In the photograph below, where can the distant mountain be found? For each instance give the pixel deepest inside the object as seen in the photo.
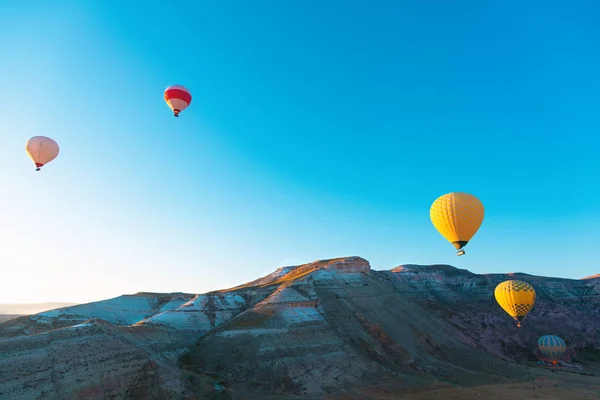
(324, 330)
(7, 317)
(31, 308)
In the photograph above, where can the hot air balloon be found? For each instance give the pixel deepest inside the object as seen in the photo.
(178, 98)
(552, 347)
(41, 150)
(516, 298)
(457, 216)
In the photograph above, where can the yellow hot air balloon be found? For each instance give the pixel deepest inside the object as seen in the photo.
(41, 150)
(516, 298)
(457, 216)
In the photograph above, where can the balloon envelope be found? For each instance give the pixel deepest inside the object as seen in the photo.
(178, 98)
(457, 216)
(41, 150)
(552, 347)
(516, 298)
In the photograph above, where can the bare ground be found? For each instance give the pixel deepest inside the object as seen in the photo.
(541, 383)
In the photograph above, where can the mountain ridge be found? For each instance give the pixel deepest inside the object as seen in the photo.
(326, 328)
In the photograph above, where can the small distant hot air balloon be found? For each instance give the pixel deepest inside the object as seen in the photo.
(457, 216)
(41, 150)
(552, 347)
(516, 298)
(178, 98)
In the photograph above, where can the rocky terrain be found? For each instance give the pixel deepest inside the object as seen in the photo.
(328, 329)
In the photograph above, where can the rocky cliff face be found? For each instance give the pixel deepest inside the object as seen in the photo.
(319, 329)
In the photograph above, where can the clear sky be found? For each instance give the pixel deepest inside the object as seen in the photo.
(316, 130)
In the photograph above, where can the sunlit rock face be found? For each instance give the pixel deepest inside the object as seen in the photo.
(326, 327)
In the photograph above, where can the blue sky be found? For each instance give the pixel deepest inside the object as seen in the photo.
(315, 131)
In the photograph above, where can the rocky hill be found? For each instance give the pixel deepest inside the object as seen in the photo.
(327, 329)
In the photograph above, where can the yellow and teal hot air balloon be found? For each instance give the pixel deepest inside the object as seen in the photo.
(552, 347)
(516, 298)
(457, 216)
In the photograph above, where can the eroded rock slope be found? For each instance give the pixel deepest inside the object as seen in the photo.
(324, 328)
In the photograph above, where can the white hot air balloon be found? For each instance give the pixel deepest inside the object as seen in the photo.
(41, 150)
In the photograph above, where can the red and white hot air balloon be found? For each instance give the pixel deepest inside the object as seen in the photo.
(41, 150)
(178, 98)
